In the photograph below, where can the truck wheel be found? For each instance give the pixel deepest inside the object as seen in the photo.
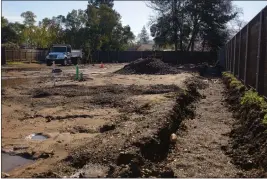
(65, 62)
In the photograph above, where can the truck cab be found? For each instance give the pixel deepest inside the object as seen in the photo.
(62, 54)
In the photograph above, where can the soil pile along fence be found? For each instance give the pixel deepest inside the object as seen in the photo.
(148, 66)
(245, 55)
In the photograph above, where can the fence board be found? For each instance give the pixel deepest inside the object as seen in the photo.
(246, 53)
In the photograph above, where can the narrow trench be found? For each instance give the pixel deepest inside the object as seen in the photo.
(154, 151)
(200, 150)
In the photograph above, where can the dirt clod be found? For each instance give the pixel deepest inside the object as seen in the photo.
(107, 127)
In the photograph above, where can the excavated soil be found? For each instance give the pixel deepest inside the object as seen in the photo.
(71, 114)
(133, 146)
(120, 126)
(199, 151)
(148, 66)
(248, 146)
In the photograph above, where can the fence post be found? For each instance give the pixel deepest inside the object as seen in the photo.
(230, 55)
(20, 55)
(98, 56)
(118, 56)
(239, 54)
(260, 60)
(234, 63)
(31, 56)
(3, 55)
(228, 60)
(246, 56)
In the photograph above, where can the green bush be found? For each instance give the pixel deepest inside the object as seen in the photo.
(264, 121)
(250, 97)
(234, 82)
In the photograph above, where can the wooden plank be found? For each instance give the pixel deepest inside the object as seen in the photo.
(239, 52)
(259, 76)
(247, 54)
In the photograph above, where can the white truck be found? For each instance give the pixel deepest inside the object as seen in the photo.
(64, 55)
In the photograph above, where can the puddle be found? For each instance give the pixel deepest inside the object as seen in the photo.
(37, 136)
(10, 162)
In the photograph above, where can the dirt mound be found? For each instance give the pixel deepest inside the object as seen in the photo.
(148, 66)
(248, 146)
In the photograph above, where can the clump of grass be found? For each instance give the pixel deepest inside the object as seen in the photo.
(264, 121)
(234, 82)
(251, 98)
(15, 63)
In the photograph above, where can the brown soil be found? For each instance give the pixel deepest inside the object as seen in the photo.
(199, 151)
(248, 147)
(148, 66)
(120, 126)
(73, 113)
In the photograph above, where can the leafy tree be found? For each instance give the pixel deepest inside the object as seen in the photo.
(143, 36)
(29, 18)
(97, 3)
(11, 32)
(185, 22)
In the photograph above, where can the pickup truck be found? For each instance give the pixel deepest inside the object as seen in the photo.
(63, 54)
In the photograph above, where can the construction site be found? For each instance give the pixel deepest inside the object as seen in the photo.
(143, 119)
(77, 102)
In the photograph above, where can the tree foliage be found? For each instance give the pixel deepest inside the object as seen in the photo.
(98, 27)
(187, 23)
(143, 37)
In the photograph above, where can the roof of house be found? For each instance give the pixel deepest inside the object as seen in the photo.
(144, 47)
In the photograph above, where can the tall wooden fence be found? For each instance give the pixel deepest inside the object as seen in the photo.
(245, 55)
(22, 55)
(166, 56)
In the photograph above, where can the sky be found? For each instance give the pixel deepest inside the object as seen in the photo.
(133, 13)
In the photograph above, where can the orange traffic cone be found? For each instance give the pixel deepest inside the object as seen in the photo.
(101, 66)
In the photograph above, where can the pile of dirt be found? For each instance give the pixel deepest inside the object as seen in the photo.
(148, 66)
(248, 146)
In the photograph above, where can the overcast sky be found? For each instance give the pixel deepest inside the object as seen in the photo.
(134, 13)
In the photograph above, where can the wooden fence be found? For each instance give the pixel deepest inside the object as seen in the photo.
(166, 56)
(245, 55)
(23, 55)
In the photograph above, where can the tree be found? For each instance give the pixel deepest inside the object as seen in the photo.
(29, 18)
(185, 22)
(97, 3)
(11, 32)
(143, 36)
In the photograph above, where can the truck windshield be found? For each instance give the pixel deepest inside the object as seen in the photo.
(59, 49)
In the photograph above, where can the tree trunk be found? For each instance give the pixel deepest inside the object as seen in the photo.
(175, 21)
(203, 45)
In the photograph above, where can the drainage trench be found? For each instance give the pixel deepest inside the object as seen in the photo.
(148, 159)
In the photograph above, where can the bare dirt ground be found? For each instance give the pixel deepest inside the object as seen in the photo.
(199, 151)
(116, 125)
(72, 113)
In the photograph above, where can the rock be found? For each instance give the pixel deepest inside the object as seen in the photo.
(5, 175)
(173, 138)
